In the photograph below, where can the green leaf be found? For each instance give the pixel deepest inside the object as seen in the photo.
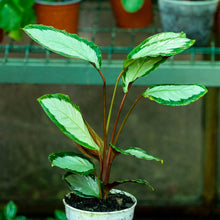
(140, 68)
(84, 186)
(16, 34)
(137, 152)
(132, 6)
(10, 16)
(175, 95)
(15, 14)
(72, 162)
(10, 210)
(26, 4)
(2, 216)
(162, 44)
(139, 181)
(63, 43)
(60, 215)
(68, 119)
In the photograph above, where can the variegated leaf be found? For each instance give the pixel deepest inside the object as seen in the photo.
(175, 95)
(140, 68)
(162, 44)
(68, 119)
(72, 162)
(84, 186)
(137, 152)
(65, 44)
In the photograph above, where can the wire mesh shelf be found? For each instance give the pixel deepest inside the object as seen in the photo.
(96, 23)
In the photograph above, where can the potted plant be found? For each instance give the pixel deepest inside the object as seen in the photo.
(193, 17)
(61, 14)
(14, 15)
(132, 14)
(90, 186)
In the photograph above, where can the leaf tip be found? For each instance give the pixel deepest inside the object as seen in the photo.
(192, 42)
(39, 99)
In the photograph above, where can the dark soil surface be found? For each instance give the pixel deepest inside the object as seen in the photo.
(114, 202)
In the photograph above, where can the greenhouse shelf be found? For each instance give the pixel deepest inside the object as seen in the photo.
(27, 62)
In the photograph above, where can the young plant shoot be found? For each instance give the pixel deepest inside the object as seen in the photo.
(82, 176)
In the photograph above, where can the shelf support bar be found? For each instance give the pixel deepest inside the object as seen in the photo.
(210, 152)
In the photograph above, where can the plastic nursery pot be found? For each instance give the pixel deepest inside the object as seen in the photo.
(139, 19)
(125, 214)
(195, 18)
(62, 15)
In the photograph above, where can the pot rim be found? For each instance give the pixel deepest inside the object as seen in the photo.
(104, 213)
(191, 3)
(42, 2)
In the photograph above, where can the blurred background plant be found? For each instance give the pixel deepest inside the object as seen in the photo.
(58, 215)
(14, 15)
(10, 212)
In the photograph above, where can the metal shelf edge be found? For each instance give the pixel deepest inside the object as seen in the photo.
(63, 71)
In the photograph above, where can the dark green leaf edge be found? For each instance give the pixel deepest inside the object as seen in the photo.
(60, 126)
(43, 27)
(78, 193)
(139, 181)
(119, 150)
(54, 156)
(182, 102)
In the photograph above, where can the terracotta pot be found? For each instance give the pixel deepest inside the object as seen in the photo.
(126, 214)
(139, 19)
(61, 15)
(1, 35)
